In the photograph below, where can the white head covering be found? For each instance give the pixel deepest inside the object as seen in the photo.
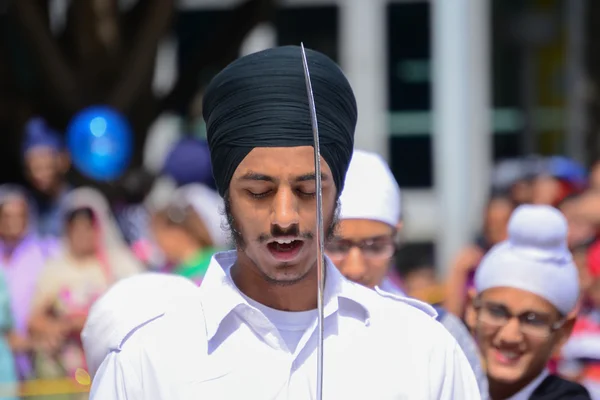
(128, 304)
(370, 190)
(209, 206)
(535, 258)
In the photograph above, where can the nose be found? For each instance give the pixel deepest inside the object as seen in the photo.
(285, 209)
(354, 266)
(511, 332)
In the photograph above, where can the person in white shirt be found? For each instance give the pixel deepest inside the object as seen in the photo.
(366, 241)
(251, 330)
(527, 288)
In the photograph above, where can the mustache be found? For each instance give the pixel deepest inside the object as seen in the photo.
(277, 232)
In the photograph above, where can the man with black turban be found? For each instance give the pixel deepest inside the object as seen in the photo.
(249, 331)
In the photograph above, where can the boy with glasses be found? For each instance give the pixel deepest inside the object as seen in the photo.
(365, 241)
(526, 290)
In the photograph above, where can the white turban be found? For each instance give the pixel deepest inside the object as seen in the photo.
(126, 305)
(207, 203)
(370, 190)
(534, 258)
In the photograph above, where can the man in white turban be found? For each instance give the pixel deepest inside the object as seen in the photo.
(363, 250)
(527, 288)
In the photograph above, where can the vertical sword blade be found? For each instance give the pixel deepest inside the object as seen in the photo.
(320, 229)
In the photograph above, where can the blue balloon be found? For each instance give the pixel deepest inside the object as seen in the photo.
(100, 142)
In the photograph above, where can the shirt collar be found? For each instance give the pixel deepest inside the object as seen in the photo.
(527, 391)
(225, 297)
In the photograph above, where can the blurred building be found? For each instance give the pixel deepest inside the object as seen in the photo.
(385, 47)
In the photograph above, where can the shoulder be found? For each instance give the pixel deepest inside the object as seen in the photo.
(377, 298)
(135, 308)
(397, 314)
(561, 389)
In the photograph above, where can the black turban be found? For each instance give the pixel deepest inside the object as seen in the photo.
(260, 100)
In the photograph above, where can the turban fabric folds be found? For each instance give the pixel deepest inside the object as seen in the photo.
(535, 258)
(260, 100)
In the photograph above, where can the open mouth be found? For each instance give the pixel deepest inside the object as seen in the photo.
(285, 249)
(507, 357)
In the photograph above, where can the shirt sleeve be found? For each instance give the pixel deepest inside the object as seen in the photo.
(469, 347)
(116, 379)
(456, 379)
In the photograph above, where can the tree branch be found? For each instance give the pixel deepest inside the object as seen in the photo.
(219, 52)
(52, 66)
(139, 67)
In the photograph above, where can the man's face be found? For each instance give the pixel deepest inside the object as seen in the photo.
(497, 217)
(362, 250)
(514, 331)
(43, 168)
(272, 211)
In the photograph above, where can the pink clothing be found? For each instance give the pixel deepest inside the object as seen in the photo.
(22, 269)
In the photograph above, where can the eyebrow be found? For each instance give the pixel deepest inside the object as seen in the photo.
(311, 177)
(253, 176)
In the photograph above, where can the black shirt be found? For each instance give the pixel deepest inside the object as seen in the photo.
(556, 388)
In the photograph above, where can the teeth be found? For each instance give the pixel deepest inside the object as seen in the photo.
(281, 241)
(510, 354)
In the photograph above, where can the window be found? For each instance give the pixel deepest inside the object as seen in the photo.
(316, 27)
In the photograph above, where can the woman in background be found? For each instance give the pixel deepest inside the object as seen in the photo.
(92, 258)
(23, 256)
(8, 372)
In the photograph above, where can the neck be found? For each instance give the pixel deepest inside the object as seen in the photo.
(297, 296)
(53, 192)
(82, 256)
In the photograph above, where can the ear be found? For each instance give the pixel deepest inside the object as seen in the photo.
(470, 312)
(565, 332)
(399, 226)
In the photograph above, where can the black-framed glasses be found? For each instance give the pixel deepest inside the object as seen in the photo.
(378, 248)
(531, 323)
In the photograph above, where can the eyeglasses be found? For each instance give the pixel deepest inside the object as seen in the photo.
(530, 323)
(372, 248)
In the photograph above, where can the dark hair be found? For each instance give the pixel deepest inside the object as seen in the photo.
(80, 212)
(136, 185)
(501, 196)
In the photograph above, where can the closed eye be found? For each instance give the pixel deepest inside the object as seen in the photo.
(259, 195)
(307, 193)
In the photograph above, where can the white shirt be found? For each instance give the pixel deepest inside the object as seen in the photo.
(290, 325)
(215, 345)
(114, 313)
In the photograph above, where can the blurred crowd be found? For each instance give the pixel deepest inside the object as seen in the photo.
(62, 247)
